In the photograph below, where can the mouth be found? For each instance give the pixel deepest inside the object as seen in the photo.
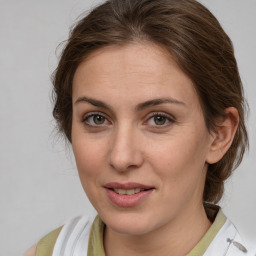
(127, 194)
(129, 188)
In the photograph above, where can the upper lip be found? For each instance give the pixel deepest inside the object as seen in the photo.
(128, 185)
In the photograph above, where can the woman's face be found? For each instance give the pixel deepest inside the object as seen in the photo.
(139, 138)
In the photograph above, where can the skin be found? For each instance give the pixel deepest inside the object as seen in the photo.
(129, 144)
(31, 251)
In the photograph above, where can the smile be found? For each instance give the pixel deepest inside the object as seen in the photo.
(128, 191)
(127, 194)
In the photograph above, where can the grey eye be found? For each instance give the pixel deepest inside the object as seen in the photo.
(160, 120)
(95, 119)
(98, 119)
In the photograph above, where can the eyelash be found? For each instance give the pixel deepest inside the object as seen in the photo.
(167, 117)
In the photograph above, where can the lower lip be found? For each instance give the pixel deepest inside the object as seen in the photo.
(127, 200)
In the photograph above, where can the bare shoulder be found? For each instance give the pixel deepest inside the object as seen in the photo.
(31, 251)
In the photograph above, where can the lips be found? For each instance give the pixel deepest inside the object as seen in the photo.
(127, 194)
(129, 185)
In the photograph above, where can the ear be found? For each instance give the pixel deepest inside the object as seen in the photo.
(223, 137)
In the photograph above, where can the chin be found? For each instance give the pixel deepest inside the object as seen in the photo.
(129, 223)
(130, 229)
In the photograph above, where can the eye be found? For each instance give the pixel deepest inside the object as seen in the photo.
(160, 119)
(95, 119)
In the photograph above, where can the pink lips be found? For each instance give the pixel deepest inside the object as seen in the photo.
(127, 200)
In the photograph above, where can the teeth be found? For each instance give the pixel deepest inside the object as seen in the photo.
(130, 192)
(121, 191)
(127, 191)
(137, 190)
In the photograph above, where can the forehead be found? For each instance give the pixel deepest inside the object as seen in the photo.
(136, 58)
(142, 69)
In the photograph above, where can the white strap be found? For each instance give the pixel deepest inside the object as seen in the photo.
(73, 238)
(227, 243)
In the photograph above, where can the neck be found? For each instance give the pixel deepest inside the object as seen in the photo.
(177, 238)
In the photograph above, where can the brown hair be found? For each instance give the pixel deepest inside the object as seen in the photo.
(194, 38)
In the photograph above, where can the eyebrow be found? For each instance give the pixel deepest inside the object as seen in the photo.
(139, 107)
(156, 102)
(94, 102)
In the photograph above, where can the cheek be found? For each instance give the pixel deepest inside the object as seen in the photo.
(88, 161)
(87, 158)
(89, 155)
(180, 160)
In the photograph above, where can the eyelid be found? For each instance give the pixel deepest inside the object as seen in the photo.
(161, 113)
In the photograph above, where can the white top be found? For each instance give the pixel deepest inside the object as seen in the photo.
(74, 236)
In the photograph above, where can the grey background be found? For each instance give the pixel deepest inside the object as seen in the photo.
(39, 185)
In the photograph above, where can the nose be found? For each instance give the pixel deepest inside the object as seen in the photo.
(125, 150)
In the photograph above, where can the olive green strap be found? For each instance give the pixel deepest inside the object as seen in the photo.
(204, 243)
(46, 245)
(95, 245)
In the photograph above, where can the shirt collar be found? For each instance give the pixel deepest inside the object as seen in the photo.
(214, 213)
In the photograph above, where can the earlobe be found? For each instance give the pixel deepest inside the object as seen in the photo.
(223, 137)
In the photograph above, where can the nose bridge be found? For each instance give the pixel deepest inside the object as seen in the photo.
(125, 151)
